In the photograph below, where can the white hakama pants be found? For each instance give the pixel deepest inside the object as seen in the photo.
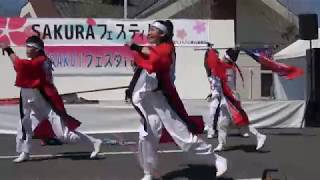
(158, 115)
(36, 109)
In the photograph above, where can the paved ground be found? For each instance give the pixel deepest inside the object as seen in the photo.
(294, 153)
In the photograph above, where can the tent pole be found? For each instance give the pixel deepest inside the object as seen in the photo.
(308, 94)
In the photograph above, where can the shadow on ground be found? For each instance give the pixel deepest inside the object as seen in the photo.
(194, 172)
(68, 155)
(246, 148)
(290, 134)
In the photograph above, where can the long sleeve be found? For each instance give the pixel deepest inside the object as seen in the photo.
(216, 66)
(148, 63)
(29, 73)
(158, 59)
(23, 65)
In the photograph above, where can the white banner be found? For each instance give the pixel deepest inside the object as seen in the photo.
(96, 32)
(90, 60)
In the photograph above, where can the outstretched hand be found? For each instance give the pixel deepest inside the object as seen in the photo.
(6, 48)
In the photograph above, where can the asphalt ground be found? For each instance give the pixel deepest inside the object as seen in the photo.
(291, 154)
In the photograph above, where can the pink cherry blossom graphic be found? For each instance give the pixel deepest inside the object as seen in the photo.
(181, 33)
(200, 27)
(91, 21)
(16, 23)
(3, 22)
(18, 38)
(10, 31)
(4, 39)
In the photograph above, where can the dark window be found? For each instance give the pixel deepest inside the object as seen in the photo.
(266, 84)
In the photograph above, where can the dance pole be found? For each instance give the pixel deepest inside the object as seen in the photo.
(209, 45)
(96, 90)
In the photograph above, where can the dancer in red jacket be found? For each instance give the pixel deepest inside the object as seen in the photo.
(157, 101)
(229, 105)
(41, 107)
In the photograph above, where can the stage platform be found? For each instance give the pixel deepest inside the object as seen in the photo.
(118, 116)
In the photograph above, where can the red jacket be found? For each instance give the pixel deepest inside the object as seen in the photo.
(159, 61)
(31, 74)
(218, 68)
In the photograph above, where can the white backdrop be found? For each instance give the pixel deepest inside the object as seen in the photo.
(191, 79)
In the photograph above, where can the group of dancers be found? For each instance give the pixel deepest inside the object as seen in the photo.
(152, 93)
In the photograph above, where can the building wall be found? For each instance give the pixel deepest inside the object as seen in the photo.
(198, 10)
(203, 9)
(258, 26)
(252, 78)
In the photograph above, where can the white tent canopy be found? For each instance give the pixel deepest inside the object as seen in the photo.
(297, 49)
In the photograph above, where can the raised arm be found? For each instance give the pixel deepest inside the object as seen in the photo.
(6, 48)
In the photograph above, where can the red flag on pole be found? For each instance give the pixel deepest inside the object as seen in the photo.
(289, 72)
